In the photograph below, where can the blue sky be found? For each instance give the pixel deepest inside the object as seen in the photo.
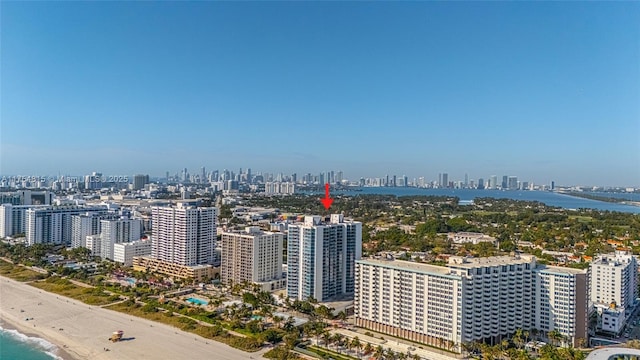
(545, 91)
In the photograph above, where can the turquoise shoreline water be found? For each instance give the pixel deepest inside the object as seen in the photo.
(15, 345)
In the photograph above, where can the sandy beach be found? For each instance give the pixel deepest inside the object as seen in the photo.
(81, 330)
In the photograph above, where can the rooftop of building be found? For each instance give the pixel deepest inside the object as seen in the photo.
(619, 258)
(408, 266)
(318, 220)
(472, 262)
(561, 269)
(248, 231)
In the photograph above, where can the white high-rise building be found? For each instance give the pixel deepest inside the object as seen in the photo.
(253, 256)
(184, 234)
(87, 224)
(279, 188)
(124, 252)
(614, 289)
(471, 299)
(13, 219)
(415, 301)
(52, 224)
(117, 231)
(321, 257)
(614, 279)
(562, 302)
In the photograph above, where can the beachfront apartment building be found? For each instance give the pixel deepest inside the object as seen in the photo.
(252, 256)
(415, 301)
(86, 224)
(115, 231)
(470, 299)
(13, 219)
(126, 251)
(562, 302)
(53, 224)
(184, 233)
(321, 257)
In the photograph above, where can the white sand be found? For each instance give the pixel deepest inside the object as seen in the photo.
(86, 329)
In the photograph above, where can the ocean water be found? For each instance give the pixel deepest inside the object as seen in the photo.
(546, 197)
(17, 346)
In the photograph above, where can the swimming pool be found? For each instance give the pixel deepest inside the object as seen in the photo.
(197, 301)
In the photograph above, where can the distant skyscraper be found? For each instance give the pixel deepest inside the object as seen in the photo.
(493, 182)
(505, 182)
(513, 183)
(139, 181)
(445, 180)
(184, 234)
(481, 184)
(321, 257)
(93, 181)
(553, 185)
(466, 180)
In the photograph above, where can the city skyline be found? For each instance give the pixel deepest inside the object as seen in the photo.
(440, 179)
(410, 89)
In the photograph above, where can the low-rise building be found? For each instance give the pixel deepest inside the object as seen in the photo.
(461, 238)
(125, 252)
(197, 273)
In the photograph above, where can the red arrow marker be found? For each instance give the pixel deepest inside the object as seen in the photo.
(326, 201)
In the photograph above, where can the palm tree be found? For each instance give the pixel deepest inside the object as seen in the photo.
(518, 338)
(327, 338)
(523, 355)
(504, 345)
(390, 354)
(355, 343)
(571, 354)
(547, 351)
(338, 339)
(277, 320)
(555, 337)
(368, 349)
(378, 354)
